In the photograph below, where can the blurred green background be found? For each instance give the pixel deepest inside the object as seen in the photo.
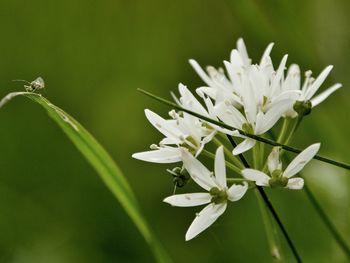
(93, 56)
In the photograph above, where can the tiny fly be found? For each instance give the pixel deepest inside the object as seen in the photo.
(33, 86)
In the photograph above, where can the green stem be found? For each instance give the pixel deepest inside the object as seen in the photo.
(323, 215)
(284, 129)
(339, 239)
(228, 164)
(272, 234)
(256, 156)
(229, 154)
(252, 136)
(269, 205)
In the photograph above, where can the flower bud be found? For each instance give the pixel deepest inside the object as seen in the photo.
(303, 108)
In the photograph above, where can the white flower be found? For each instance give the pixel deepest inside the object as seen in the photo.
(254, 122)
(309, 87)
(259, 84)
(258, 79)
(186, 131)
(188, 101)
(277, 176)
(216, 197)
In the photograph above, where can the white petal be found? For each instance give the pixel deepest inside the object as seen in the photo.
(175, 98)
(324, 95)
(243, 51)
(289, 94)
(273, 161)
(210, 107)
(230, 115)
(236, 60)
(318, 82)
(249, 100)
(236, 191)
(258, 177)
(204, 141)
(201, 73)
(295, 183)
(301, 160)
(266, 55)
(237, 134)
(209, 137)
(232, 73)
(210, 92)
(220, 167)
(279, 74)
(198, 172)
(190, 102)
(244, 146)
(293, 78)
(166, 127)
(266, 121)
(204, 219)
(186, 200)
(163, 155)
(167, 141)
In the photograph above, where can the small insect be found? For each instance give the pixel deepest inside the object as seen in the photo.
(180, 177)
(33, 86)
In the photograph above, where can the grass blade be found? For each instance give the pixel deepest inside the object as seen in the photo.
(104, 165)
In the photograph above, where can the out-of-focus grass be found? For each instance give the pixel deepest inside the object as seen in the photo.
(93, 56)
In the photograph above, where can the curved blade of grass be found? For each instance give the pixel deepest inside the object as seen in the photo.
(104, 165)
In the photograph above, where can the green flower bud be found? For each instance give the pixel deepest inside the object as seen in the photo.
(303, 108)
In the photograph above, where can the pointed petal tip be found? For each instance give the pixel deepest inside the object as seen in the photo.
(192, 61)
(166, 200)
(188, 237)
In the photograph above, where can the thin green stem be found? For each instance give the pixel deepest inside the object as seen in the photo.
(323, 215)
(270, 207)
(331, 227)
(293, 130)
(228, 164)
(271, 231)
(252, 136)
(256, 156)
(284, 129)
(229, 154)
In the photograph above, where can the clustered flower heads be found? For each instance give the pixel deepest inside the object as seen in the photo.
(252, 98)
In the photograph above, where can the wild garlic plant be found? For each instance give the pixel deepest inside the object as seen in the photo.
(254, 99)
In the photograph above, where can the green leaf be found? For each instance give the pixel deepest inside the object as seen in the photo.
(104, 165)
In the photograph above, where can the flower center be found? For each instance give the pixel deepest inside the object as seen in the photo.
(191, 144)
(248, 128)
(278, 180)
(218, 196)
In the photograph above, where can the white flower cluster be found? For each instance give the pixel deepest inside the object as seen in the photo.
(248, 97)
